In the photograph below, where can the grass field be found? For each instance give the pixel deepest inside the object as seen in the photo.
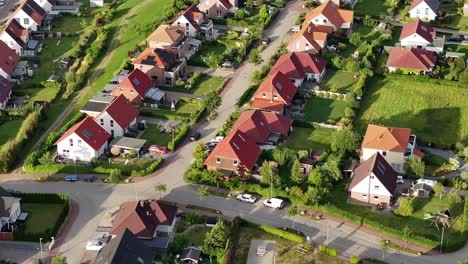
(155, 137)
(341, 80)
(8, 129)
(309, 138)
(454, 20)
(207, 51)
(436, 110)
(322, 109)
(196, 235)
(457, 48)
(41, 216)
(202, 87)
(374, 8)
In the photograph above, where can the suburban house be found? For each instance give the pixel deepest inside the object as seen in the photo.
(374, 181)
(300, 67)
(97, 104)
(265, 128)
(191, 255)
(418, 34)
(162, 65)
(10, 209)
(6, 87)
(118, 117)
(216, 8)
(47, 5)
(145, 219)
(170, 37)
(411, 60)
(83, 141)
(311, 38)
(329, 14)
(425, 9)
(30, 15)
(236, 154)
(134, 86)
(195, 21)
(395, 144)
(8, 60)
(276, 92)
(15, 36)
(125, 248)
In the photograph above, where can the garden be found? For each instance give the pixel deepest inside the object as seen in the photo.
(187, 110)
(451, 17)
(8, 129)
(436, 110)
(155, 135)
(200, 85)
(373, 8)
(323, 110)
(303, 138)
(338, 81)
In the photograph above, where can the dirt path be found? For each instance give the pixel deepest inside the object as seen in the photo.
(110, 51)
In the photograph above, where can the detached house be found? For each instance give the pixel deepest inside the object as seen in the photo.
(329, 14)
(374, 181)
(418, 34)
(425, 9)
(83, 141)
(97, 104)
(300, 67)
(311, 38)
(8, 60)
(236, 154)
(134, 87)
(15, 36)
(170, 37)
(161, 65)
(216, 8)
(30, 15)
(118, 117)
(395, 144)
(10, 209)
(265, 128)
(276, 92)
(195, 21)
(411, 60)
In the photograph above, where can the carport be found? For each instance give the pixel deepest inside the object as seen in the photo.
(126, 144)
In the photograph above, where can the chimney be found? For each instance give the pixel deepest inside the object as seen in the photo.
(309, 29)
(142, 204)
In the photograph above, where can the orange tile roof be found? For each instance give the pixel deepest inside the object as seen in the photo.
(411, 58)
(167, 33)
(386, 138)
(275, 106)
(331, 11)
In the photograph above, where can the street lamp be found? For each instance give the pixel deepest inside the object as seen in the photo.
(40, 245)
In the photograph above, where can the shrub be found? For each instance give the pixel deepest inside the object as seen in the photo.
(184, 130)
(282, 233)
(354, 260)
(247, 95)
(328, 250)
(333, 96)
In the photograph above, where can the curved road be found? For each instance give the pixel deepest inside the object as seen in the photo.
(93, 199)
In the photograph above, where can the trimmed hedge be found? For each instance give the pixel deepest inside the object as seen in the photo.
(184, 130)
(231, 246)
(328, 250)
(245, 97)
(354, 260)
(282, 233)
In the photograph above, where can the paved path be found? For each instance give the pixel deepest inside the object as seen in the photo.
(448, 154)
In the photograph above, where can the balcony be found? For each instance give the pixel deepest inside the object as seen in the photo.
(411, 146)
(207, 25)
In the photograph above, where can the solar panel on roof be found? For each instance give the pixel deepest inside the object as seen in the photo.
(88, 134)
(136, 81)
(279, 86)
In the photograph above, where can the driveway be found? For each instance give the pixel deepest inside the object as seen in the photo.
(19, 252)
(269, 256)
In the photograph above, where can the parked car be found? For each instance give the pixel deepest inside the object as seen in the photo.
(425, 181)
(217, 139)
(400, 179)
(211, 146)
(71, 178)
(455, 38)
(141, 126)
(157, 149)
(195, 136)
(89, 178)
(229, 65)
(248, 198)
(95, 245)
(2, 2)
(274, 203)
(266, 41)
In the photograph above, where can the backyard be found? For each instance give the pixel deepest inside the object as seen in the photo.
(184, 111)
(436, 110)
(340, 81)
(196, 235)
(373, 8)
(453, 19)
(154, 136)
(457, 48)
(205, 84)
(41, 216)
(8, 129)
(309, 138)
(323, 110)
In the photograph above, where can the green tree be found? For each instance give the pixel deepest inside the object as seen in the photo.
(46, 161)
(316, 195)
(203, 192)
(438, 190)
(255, 56)
(406, 207)
(215, 240)
(239, 15)
(263, 13)
(178, 244)
(115, 175)
(406, 233)
(345, 140)
(212, 100)
(200, 154)
(160, 188)
(249, 4)
(293, 211)
(283, 155)
(331, 168)
(356, 39)
(296, 191)
(267, 173)
(414, 167)
(463, 76)
(296, 173)
(59, 260)
(453, 198)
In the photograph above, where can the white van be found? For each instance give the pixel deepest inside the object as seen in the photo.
(274, 203)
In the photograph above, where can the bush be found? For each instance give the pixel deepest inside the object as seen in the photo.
(247, 95)
(328, 250)
(184, 130)
(148, 170)
(354, 260)
(282, 233)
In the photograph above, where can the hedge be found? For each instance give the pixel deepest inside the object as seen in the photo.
(465, 217)
(161, 115)
(328, 250)
(282, 233)
(184, 130)
(354, 260)
(231, 247)
(245, 97)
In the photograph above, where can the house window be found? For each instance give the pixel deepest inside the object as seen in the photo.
(384, 153)
(235, 162)
(364, 196)
(426, 12)
(218, 160)
(397, 167)
(418, 11)
(316, 20)
(376, 187)
(324, 21)
(26, 21)
(112, 123)
(376, 198)
(168, 81)
(372, 176)
(178, 24)
(66, 152)
(71, 142)
(275, 97)
(132, 91)
(264, 95)
(79, 143)
(101, 121)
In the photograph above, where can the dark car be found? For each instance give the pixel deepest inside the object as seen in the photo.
(266, 41)
(195, 136)
(141, 126)
(89, 178)
(455, 38)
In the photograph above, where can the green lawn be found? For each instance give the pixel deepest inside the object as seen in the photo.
(454, 20)
(457, 48)
(374, 8)
(309, 138)
(208, 56)
(436, 110)
(341, 80)
(155, 137)
(202, 87)
(41, 216)
(8, 129)
(196, 236)
(322, 109)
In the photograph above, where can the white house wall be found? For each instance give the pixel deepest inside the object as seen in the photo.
(414, 40)
(115, 130)
(183, 22)
(420, 12)
(7, 39)
(322, 20)
(22, 18)
(83, 153)
(374, 187)
(45, 5)
(395, 159)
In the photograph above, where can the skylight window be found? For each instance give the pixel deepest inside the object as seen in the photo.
(279, 86)
(235, 145)
(136, 81)
(88, 134)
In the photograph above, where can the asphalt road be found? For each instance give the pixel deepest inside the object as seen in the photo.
(5, 10)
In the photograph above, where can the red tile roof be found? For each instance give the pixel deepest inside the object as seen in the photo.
(411, 58)
(162, 58)
(89, 131)
(296, 64)
(331, 11)
(386, 138)
(8, 58)
(418, 27)
(122, 111)
(16, 31)
(5, 89)
(204, 5)
(264, 104)
(138, 81)
(312, 34)
(33, 10)
(142, 218)
(237, 145)
(277, 84)
(280, 124)
(418, 153)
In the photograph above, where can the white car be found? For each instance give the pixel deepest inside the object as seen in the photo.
(95, 245)
(425, 181)
(400, 179)
(217, 139)
(274, 203)
(246, 198)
